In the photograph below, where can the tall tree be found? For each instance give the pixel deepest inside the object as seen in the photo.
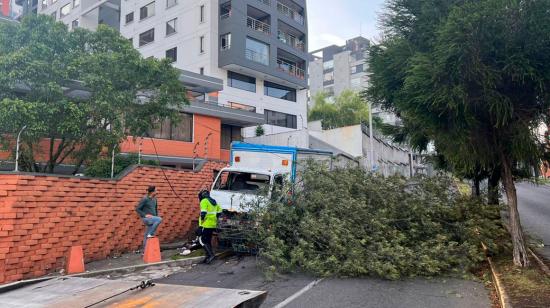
(348, 109)
(474, 76)
(78, 91)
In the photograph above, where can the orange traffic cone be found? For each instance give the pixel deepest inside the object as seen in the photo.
(75, 262)
(152, 251)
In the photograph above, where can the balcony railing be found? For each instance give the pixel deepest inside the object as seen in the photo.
(230, 105)
(225, 16)
(256, 56)
(266, 2)
(291, 40)
(257, 25)
(290, 68)
(285, 10)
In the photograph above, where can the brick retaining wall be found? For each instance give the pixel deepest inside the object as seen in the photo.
(42, 216)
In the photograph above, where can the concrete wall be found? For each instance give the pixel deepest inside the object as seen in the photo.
(44, 215)
(297, 138)
(347, 139)
(341, 72)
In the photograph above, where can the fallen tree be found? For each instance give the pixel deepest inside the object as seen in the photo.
(350, 223)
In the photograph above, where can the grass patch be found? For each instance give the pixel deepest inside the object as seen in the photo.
(196, 253)
(528, 287)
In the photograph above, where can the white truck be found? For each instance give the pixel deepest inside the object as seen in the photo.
(258, 168)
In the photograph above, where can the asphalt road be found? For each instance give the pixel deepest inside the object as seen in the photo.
(534, 211)
(353, 293)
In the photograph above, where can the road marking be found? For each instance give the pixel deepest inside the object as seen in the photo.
(298, 294)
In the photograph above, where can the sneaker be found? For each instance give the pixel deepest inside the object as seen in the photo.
(150, 236)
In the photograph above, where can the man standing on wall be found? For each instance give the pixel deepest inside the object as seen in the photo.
(208, 222)
(147, 210)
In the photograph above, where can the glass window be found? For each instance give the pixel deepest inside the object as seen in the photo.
(172, 54)
(202, 44)
(280, 119)
(44, 3)
(278, 91)
(147, 11)
(147, 37)
(242, 82)
(202, 13)
(76, 3)
(328, 65)
(251, 183)
(65, 10)
(171, 26)
(171, 3)
(180, 131)
(329, 76)
(229, 134)
(129, 17)
(75, 23)
(225, 41)
(257, 51)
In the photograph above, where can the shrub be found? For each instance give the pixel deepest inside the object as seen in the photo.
(102, 167)
(350, 223)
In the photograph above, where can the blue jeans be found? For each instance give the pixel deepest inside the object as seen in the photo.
(152, 224)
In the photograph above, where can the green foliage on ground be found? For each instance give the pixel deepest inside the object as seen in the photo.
(349, 223)
(101, 168)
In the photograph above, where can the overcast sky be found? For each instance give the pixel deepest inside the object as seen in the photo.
(335, 21)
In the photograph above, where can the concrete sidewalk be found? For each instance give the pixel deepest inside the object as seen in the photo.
(243, 273)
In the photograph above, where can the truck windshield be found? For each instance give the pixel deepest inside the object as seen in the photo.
(242, 182)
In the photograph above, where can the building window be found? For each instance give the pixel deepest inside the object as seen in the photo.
(225, 41)
(328, 65)
(75, 23)
(44, 3)
(171, 3)
(257, 51)
(129, 17)
(357, 69)
(202, 13)
(147, 37)
(147, 11)
(171, 26)
(280, 119)
(65, 10)
(202, 44)
(329, 77)
(180, 131)
(172, 54)
(229, 134)
(236, 80)
(54, 1)
(278, 91)
(201, 70)
(76, 3)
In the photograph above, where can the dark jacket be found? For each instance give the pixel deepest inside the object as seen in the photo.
(147, 206)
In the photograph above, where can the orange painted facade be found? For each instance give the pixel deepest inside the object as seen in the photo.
(206, 142)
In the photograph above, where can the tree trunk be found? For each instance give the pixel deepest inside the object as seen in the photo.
(494, 179)
(521, 258)
(476, 191)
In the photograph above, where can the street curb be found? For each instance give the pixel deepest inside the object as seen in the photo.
(125, 269)
(543, 266)
(502, 295)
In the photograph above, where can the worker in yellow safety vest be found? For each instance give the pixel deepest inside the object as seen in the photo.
(208, 222)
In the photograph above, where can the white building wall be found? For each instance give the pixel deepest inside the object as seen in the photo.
(347, 139)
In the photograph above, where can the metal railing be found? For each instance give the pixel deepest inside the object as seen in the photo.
(256, 56)
(285, 10)
(291, 40)
(226, 15)
(230, 105)
(257, 25)
(290, 68)
(266, 2)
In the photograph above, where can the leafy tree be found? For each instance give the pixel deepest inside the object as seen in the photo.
(119, 92)
(348, 109)
(473, 77)
(102, 167)
(259, 131)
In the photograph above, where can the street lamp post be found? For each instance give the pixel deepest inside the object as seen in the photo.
(371, 138)
(17, 148)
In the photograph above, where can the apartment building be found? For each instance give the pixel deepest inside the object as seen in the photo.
(82, 13)
(258, 48)
(334, 69)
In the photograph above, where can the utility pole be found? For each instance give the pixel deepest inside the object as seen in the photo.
(371, 139)
(17, 148)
